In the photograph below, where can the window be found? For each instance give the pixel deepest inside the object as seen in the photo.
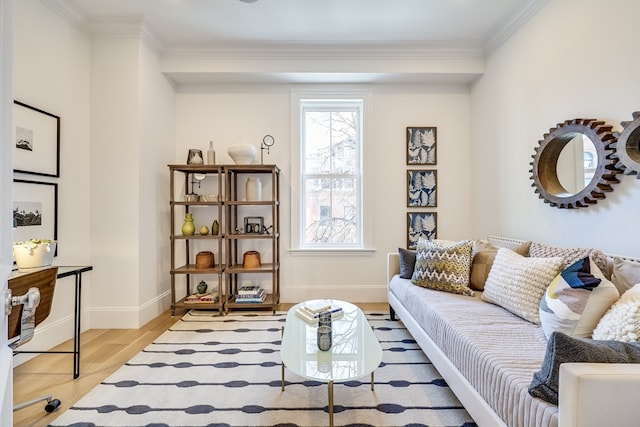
(330, 210)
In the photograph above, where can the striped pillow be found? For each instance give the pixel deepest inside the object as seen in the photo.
(443, 266)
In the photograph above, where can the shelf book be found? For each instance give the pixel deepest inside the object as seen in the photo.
(249, 290)
(257, 297)
(207, 297)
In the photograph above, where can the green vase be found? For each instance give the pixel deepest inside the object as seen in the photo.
(188, 228)
(215, 227)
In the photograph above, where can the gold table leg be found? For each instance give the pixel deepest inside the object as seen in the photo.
(331, 403)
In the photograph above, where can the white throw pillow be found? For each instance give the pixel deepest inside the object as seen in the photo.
(576, 300)
(622, 321)
(517, 283)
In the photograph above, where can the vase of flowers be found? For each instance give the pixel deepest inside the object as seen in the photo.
(34, 253)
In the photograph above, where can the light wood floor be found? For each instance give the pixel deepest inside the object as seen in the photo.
(103, 351)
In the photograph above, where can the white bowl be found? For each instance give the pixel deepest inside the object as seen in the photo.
(242, 154)
(31, 256)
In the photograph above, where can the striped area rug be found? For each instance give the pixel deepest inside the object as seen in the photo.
(209, 370)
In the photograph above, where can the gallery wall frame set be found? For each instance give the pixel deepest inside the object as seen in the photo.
(422, 145)
(421, 225)
(422, 188)
(37, 141)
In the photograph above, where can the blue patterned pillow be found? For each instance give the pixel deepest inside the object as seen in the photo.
(443, 266)
(576, 299)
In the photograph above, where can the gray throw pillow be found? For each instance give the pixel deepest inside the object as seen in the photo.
(562, 348)
(407, 262)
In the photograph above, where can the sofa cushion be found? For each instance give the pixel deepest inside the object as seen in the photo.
(625, 274)
(517, 283)
(482, 259)
(576, 299)
(622, 321)
(570, 255)
(443, 266)
(562, 348)
(407, 262)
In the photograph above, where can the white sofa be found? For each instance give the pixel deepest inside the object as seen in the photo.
(490, 372)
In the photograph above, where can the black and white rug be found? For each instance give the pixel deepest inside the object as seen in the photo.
(209, 370)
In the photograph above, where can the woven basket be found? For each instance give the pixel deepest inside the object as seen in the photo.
(205, 259)
(251, 259)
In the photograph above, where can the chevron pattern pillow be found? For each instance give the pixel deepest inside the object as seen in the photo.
(443, 266)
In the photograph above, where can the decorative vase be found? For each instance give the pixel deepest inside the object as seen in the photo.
(242, 154)
(324, 338)
(254, 189)
(204, 230)
(205, 259)
(251, 259)
(194, 157)
(202, 287)
(188, 228)
(211, 155)
(215, 227)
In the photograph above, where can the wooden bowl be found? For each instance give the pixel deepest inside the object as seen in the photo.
(205, 259)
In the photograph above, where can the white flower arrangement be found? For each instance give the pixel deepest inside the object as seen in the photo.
(32, 244)
(34, 253)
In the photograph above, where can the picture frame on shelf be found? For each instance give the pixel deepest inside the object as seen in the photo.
(37, 141)
(422, 188)
(421, 225)
(422, 144)
(253, 224)
(35, 210)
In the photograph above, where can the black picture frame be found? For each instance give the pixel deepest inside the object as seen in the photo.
(421, 225)
(253, 224)
(37, 141)
(422, 144)
(33, 199)
(422, 188)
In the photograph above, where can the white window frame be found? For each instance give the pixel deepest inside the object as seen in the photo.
(366, 218)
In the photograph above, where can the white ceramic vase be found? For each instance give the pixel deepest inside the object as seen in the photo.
(254, 189)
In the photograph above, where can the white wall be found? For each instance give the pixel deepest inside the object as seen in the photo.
(51, 72)
(227, 114)
(573, 59)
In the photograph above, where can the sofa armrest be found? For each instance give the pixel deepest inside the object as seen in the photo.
(599, 394)
(393, 265)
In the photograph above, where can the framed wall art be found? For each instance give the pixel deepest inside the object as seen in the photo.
(35, 210)
(37, 141)
(421, 225)
(422, 145)
(421, 188)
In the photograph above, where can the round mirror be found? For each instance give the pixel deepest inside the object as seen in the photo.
(628, 147)
(573, 167)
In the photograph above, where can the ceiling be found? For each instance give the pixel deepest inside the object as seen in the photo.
(379, 27)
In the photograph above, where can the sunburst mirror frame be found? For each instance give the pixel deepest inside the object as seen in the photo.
(544, 171)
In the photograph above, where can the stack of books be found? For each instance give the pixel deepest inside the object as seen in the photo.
(207, 297)
(251, 294)
(310, 311)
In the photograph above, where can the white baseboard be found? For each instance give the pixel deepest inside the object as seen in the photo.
(345, 293)
(128, 317)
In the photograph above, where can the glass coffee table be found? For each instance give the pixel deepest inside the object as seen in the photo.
(355, 351)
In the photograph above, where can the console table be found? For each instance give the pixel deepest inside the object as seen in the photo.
(76, 272)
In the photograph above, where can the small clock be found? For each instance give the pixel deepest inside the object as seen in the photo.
(268, 140)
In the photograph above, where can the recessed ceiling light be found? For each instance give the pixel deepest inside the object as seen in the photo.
(248, 1)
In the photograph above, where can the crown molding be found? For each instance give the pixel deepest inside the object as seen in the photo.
(509, 27)
(320, 51)
(71, 13)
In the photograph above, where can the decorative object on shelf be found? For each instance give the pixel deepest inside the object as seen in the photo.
(188, 228)
(37, 145)
(627, 147)
(191, 197)
(205, 259)
(421, 188)
(211, 154)
(251, 259)
(421, 225)
(267, 142)
(421, 145)
(202, 287)
(248, 295)
(195, 157)
(253, 189)
(196, 178)
(243, 154)
(567, 146)
(253, 224)
(324, 338)
(208, 197)
(215, 227)
(34, 253)
(204, 230)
